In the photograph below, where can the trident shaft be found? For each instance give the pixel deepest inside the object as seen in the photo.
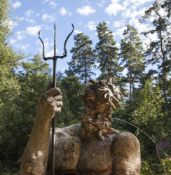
(54, 58)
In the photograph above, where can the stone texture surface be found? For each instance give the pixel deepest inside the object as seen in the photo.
(91, 147)
(118, 153)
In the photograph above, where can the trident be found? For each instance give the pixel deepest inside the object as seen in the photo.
(54, 58)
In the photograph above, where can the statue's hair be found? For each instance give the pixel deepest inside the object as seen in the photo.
(103, 90)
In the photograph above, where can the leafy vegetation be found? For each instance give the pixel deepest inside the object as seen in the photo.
(146, 107)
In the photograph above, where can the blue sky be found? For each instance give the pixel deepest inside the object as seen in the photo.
(27, 17)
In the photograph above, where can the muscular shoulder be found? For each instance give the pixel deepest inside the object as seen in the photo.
(126, 139)
(70, 131)
(126, 153)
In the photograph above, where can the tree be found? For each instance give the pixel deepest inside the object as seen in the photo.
(82, 57)
(149, 105)
(72, 108)
(158, 18)
(107, 52)
(8, 60)
(34, 78)
(149, 116)
(132, 57)
(19, 111)
(9, 88)
(167, 6)
(3, 20)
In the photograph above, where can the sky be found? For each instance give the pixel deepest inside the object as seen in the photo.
(27, 17)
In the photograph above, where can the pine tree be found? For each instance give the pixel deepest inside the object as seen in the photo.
(158, 18)
(167, 6)
(107, 52)
(82, 57)
(72, 108)
(132, 57)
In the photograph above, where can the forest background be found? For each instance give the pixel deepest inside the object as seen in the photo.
(146, 87)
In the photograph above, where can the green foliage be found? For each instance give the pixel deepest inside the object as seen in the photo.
(3, 20)
(149, 105)
(21, 85)
(9, 88)
(72, 109)
(157, 16)
(151, 168)
(166, 163)
(167, 6)
(146, 168)
(82, 57)
(34, 79)
(132, 58)
(19, 110)
(107, 52)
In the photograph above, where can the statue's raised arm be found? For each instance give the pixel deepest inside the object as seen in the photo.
(91, 147)
(35, 156)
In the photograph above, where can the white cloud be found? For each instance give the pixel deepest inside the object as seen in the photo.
(12, 41)
(29, 13)
(20, 35)
(16, 5)
(101, 3)
(133, 13)
(114, 8)
(64, 12)
(148, 39)
(29, 20)
(48, 18)
(24, 47)
(86, 10)
(139, 26)
(33, 30)
(76, 31)
(26, 19)
(48, 47)
(52, 3)
(119, 33)
(11, 24)
(49, 53)
(91, 25)
(119, 23)
(126, 7)
(137, 2)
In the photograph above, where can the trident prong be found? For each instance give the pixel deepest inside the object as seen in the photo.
(65, 43)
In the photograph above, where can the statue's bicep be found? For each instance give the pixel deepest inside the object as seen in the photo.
(126, 154)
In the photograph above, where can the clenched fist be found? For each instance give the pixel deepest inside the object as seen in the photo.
(50, 102)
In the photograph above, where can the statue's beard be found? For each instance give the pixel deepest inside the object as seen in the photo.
(97, 125)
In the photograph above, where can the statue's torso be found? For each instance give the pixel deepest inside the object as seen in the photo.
(76, 156)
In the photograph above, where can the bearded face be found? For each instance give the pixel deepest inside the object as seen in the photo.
(101, 96)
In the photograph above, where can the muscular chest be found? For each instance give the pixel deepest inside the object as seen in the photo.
(86, 157)
(95, 155)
